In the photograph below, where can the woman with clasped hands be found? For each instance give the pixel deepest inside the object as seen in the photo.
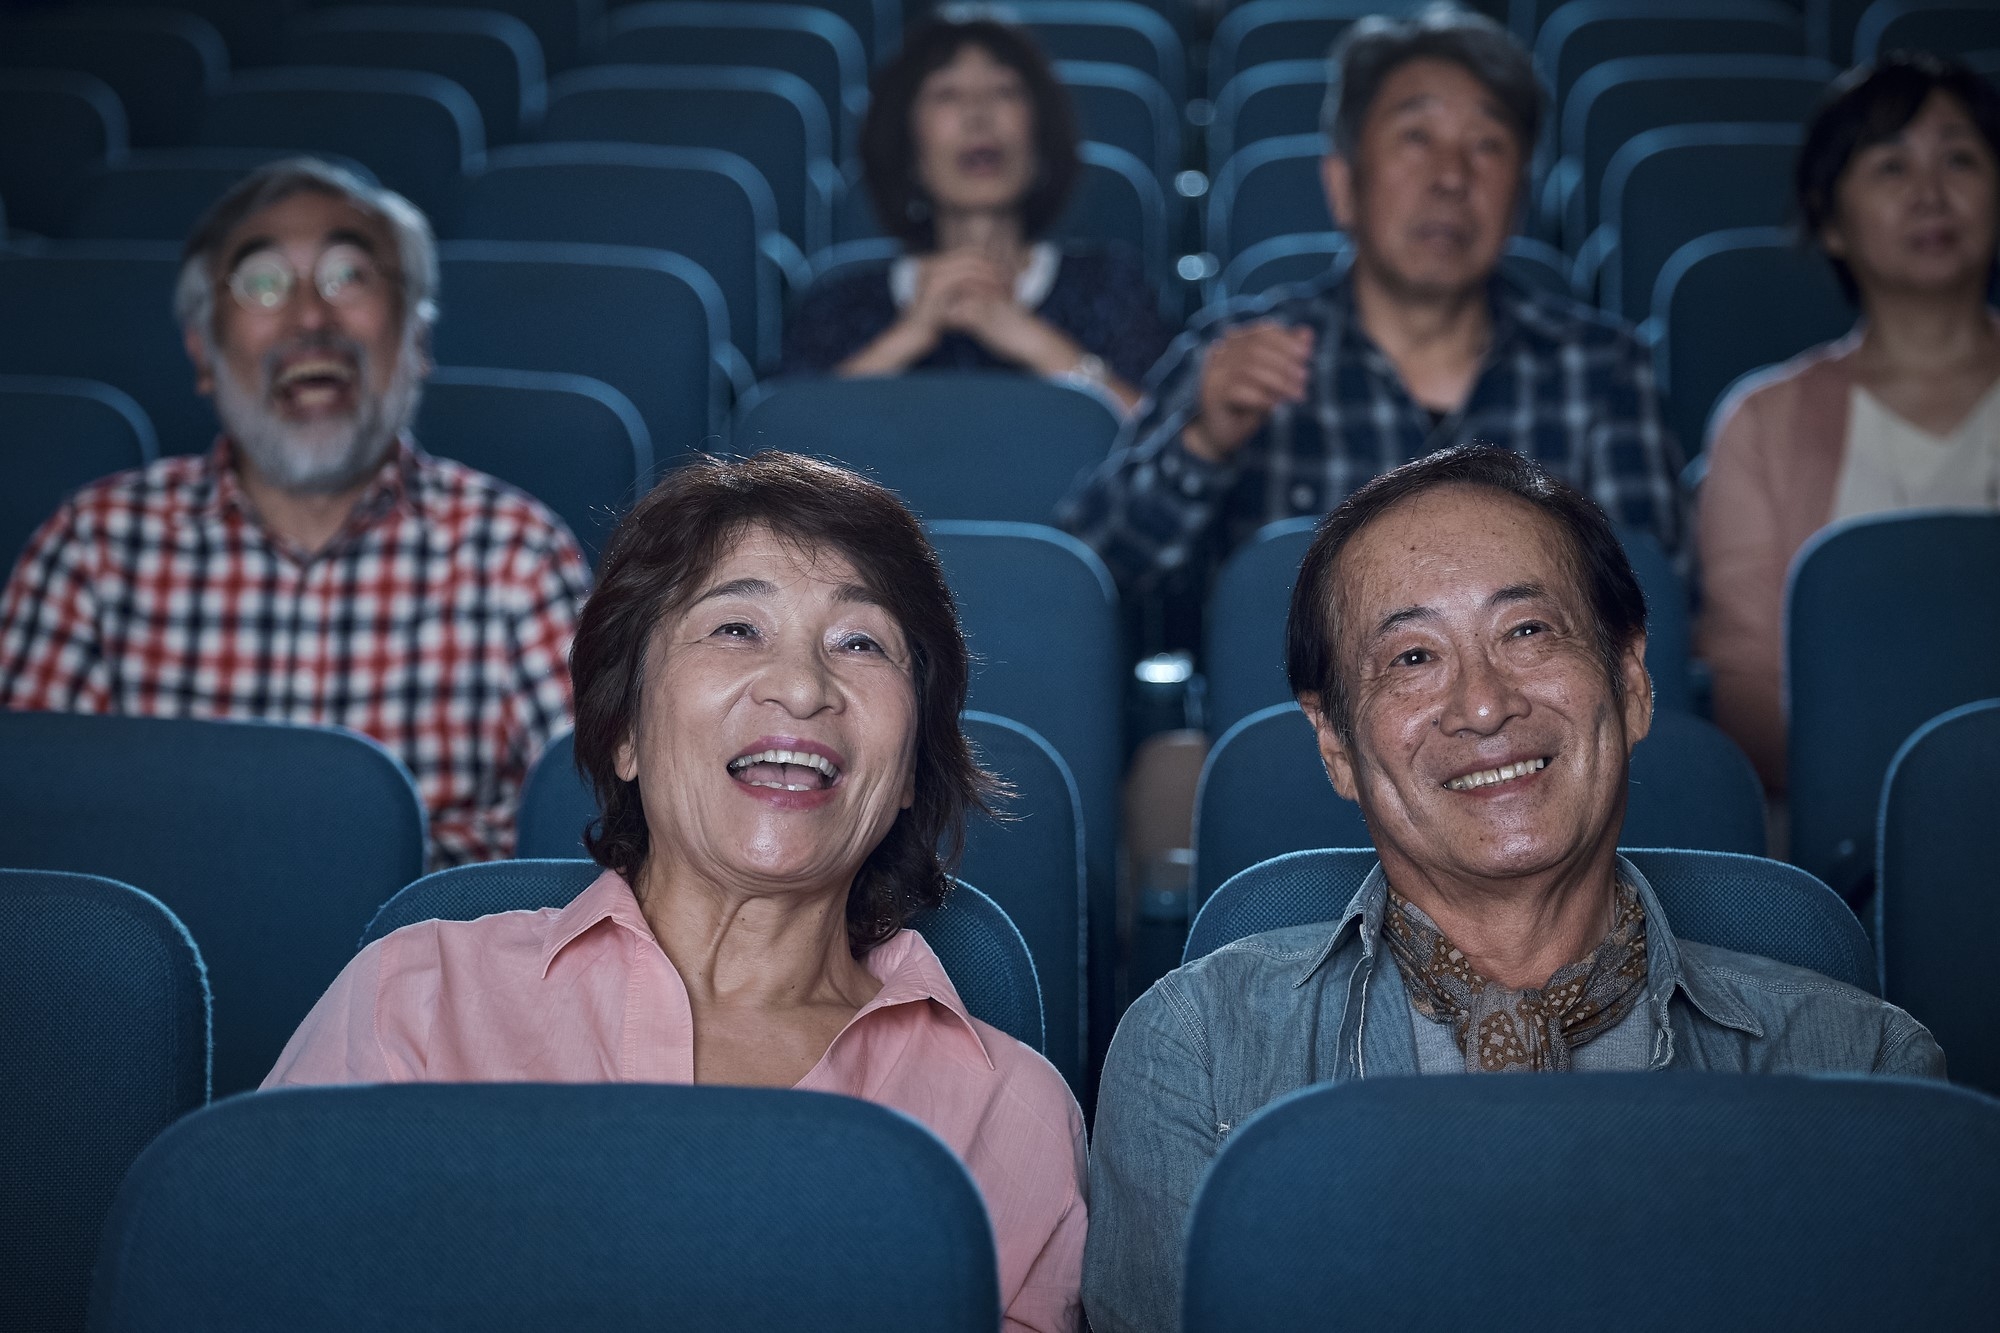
(768, 683)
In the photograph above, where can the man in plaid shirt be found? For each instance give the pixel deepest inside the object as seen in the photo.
(1284, 405)
(315, 566)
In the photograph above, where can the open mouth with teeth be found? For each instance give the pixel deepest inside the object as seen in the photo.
(785, 770)
(1492, 777)
(314, 382)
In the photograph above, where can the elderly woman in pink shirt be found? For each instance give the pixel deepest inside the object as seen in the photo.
(768, 682)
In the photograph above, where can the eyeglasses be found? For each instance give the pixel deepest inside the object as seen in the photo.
(265, 281)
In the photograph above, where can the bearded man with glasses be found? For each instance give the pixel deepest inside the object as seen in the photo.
(315, 565)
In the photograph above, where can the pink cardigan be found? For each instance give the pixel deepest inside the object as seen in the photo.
(1774, 464)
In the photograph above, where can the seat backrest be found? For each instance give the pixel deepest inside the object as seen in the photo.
(771, 119)
(1267, 101)
(495, 57)
(1264, 31)
(1935, 873)
(805, 40)
(700, 202)
(563, 28)
(55, 125)
(1269, 188)
(1744, 903)
(130, 339)
(878, 23)
(972, 444)
(1031, 863)
(1918, 589)
(1730, 302)
(159, 194)
(1620, 99)
(574, 443)
(1665, 187)
(982, 952)
(274, 842)
(1119, 31)
(1264, 792)
(103, 1044)
(418, 132)
(647, 322)
(1948, 27)
(1126, 109)
(462, 1207)
(1585, 33)
(161, 63)
(1827, 1203)
(57, 433)
(1252, 596)
(1118, 203)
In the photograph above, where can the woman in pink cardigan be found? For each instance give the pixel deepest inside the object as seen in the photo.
(1899, 185)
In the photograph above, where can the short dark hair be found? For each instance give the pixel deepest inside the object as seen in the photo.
(1872, 104)
(1373, 48)
(1596, 558)
(654, 566)
(888, 145)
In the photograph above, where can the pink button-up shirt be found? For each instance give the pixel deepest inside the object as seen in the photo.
(586, 995)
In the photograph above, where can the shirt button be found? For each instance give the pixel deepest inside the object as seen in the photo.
(1304, 497)
(1191, 486)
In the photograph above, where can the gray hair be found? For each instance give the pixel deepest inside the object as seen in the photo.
(416, 248)
(1376, 46)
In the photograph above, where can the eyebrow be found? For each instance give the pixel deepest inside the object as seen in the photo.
(1410, 615)
(1419, 101)
(754, 587)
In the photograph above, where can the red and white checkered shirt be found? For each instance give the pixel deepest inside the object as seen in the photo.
(438, 621)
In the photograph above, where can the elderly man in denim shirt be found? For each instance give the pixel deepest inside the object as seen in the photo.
(1469, 642)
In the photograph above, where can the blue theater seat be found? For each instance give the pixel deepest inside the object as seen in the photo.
(1118, 204)
(161, 193)
(1586, 33)
(161, 63)
(274, 842)
(650, 323)
(1743, 903)
(1889, 620)
(1121, 32)
(103, 1044)
(1935, 871)
(129, 339)
(565, 29)
(493, 56)
(520, 1208)
(55, 125)
(804, 40)
(574, 443)
(1948, 27)
(1265, 31)
(1267, 101)
(253, 30)
(1269, 188)
(982, 952)
(1837, 1204)
(1264, 792)
(418, 132)
(1126, 109)
(56, 434)
(708, 205)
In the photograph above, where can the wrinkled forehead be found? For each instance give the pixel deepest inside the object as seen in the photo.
(305, 223)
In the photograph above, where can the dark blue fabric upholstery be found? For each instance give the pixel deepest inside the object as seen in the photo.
(521, 1208)
(574, 443)
(162, 64)
(649, 323)
(981, 950)
(54, 126)
(1125, 108)
(56, 433)
(565, 29)
(159, 194)
(103, 1044)
(493, 56)
(1273, 99)
(1264, 31)
(1438, 1204)
(1590, 32)
(1264, 792)
(1744, 903)
(1936, 903)
(273, 842)
(1889, 621)
(1116, 31)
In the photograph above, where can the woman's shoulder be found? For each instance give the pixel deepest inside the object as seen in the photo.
(1816, 380)
(1024, 1075)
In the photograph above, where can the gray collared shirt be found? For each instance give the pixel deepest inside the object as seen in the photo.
(1216, 1040)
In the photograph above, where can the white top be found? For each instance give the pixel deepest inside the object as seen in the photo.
(1891, 464)
(1038, 277)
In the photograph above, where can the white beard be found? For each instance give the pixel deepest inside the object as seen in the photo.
(321, 457)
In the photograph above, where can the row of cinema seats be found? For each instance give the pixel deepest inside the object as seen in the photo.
(283, 1207)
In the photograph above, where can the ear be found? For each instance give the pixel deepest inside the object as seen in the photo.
(626, 761)
(1638, 690)
(1337, 178)
(1334, 756)
(197, 350)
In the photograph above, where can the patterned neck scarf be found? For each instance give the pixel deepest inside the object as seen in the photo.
(1501, 1029)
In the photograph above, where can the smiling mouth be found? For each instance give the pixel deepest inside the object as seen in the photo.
(1488, 777)
(785, 770)
(314, 381)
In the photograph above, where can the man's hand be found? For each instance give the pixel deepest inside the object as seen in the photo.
(1249, 372)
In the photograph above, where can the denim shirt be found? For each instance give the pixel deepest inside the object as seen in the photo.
(1214, 1041)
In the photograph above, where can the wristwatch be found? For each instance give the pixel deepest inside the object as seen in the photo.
(1089, 372)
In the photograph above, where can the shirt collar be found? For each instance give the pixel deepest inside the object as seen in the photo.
(904, 963)
(1516, 311)
(1666, 970)
(393, 487)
